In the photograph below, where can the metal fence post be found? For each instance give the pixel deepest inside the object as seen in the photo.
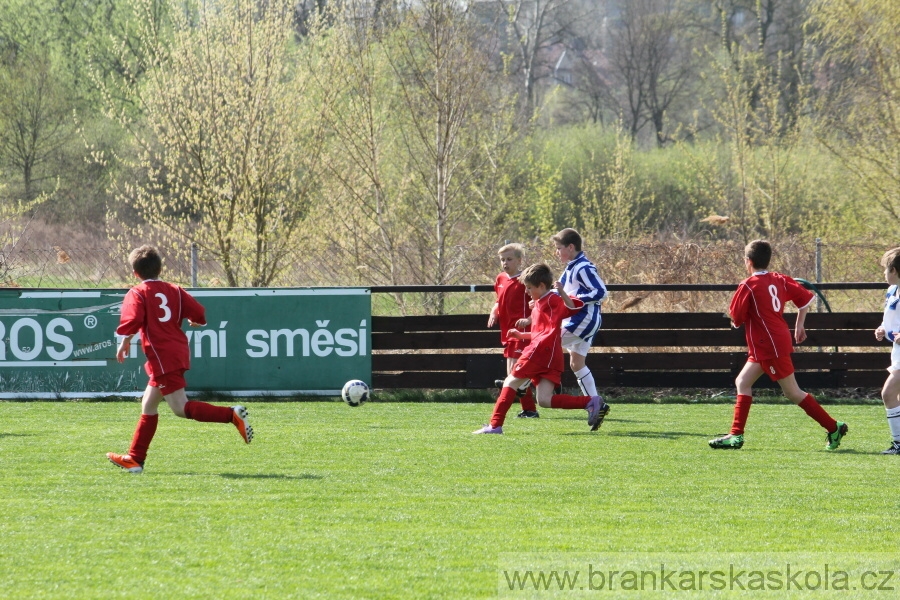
(818, 271)
(195, 264)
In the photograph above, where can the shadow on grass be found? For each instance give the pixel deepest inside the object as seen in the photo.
(269, 476)
(256, 476)
(4, 435)
(657, 435)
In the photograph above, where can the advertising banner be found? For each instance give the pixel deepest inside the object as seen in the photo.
(275, 342)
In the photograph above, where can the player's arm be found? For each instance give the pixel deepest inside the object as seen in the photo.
(524, 323)
(558, 286)
(799, 329)
(492, 318)
(595, 289)
(883, 331)
(122, 351)
(193, 310)
(519, 335)
(131, 315)
(737, 310)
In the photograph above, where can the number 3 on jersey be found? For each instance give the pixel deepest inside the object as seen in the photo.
(773, 291)
(167, 313)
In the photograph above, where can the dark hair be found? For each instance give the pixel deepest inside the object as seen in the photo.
(760, 253)
(891, 259)
(568, 236)
(146, 262)
(538, 274)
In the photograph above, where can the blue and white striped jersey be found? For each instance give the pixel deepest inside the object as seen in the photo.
(580, 280)
(891, 319)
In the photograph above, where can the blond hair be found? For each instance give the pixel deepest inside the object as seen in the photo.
(518, 250)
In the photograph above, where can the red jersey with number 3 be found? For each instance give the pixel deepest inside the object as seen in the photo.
(758, 304)
(156, 309)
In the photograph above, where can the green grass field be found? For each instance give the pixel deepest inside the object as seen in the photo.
(399, 500)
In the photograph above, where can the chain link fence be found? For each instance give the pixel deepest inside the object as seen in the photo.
(31, 263)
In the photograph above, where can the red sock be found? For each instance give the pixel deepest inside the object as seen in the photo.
(504, 403)
(818, 414)
(741, 410)
(528, 400)
(567, 401)
(143, 435)
(207, 413)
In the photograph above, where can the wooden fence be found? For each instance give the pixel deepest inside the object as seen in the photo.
(696, 350)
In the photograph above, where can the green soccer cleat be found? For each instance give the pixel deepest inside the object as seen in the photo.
(727, 442)
(834, 438)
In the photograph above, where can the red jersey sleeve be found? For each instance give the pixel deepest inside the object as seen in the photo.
(799, 295)
(132, 316)
(740, 304)
(192, 310)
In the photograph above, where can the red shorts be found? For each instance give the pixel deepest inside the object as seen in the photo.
(775, 368)
(169, 383)
(528, 370)
(513, 348)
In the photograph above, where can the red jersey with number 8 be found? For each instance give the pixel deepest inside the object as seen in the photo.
(759, 304)
(156, 309)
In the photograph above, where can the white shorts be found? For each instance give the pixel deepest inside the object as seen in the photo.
(573, 343)
(895, 358)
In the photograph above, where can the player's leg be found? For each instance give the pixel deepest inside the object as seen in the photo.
(504, 402)
(744, 384)
(596, 408)
(890, 395)
(525, 396)
(133, 462)
(203, 411)
(836, 429)
(544, 392)
(578, 351)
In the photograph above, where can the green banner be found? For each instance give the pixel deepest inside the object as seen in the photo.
(277, 342)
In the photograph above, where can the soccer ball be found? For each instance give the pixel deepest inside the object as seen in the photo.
(355, 392)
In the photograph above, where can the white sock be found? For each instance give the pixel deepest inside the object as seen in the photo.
(893, 418)
(586, 382)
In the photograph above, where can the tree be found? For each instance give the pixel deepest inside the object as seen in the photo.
(535, 25)
(758, 192)
(775, 31)
(226, 149)
(859, 110)
(651, 68)
(35, 120)
(417, 140)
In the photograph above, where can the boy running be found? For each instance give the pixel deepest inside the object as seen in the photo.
(580, 280)
(890, 330)
(542, 361)
(759, 304)
(155, 309)
(511, 307)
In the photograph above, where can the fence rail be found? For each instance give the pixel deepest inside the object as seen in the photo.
(631, 350)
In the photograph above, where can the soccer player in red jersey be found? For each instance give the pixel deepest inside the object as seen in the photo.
(542, 359)
(511, 307)
(155, 309)
(759, 304)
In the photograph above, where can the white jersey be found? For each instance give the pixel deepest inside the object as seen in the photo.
(891, 319)
(891, 324)
(580, 280)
